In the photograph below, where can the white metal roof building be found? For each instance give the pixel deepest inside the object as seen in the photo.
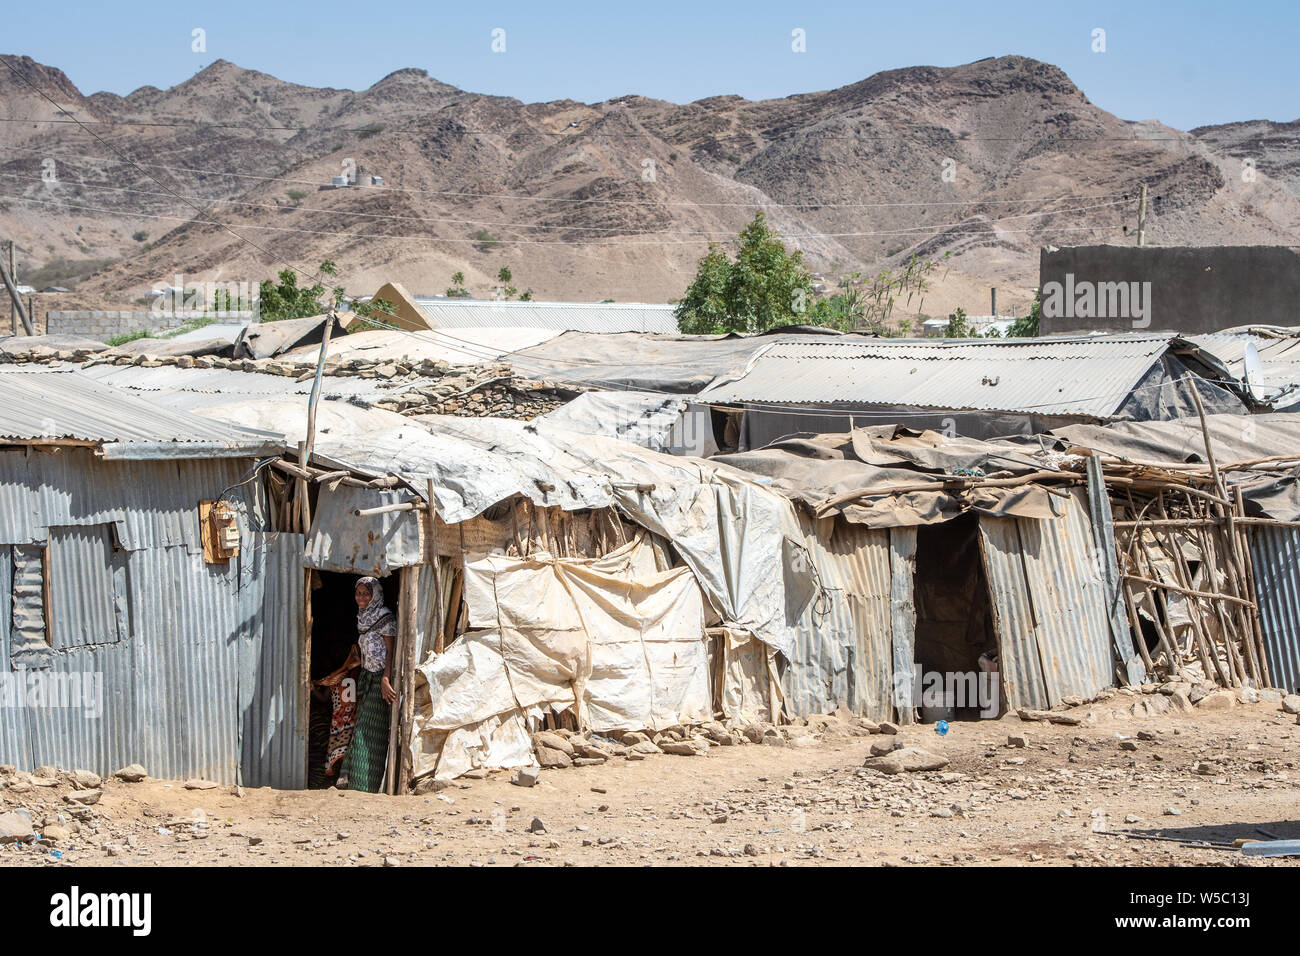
(445, 313)
(974, 387)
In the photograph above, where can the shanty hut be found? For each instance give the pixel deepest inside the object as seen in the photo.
(150, 613)
(974, 387)
(940, 561)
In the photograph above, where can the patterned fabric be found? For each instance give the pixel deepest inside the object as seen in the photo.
(374, 623)
(368, 753)
(343, 719)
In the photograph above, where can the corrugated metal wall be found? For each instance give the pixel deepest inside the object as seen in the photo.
(1276, 556)
(273, 705)
(208, 655)
(1049, 604)
(153, 503)
(843, 650)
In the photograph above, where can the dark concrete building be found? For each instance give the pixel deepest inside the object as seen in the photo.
(1186, 289)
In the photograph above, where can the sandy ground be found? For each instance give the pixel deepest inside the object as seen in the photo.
(1205, 776)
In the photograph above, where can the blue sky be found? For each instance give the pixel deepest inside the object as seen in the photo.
(1185, 63)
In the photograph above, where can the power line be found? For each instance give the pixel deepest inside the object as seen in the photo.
(601, 229)
(516, 197)
(928, 231)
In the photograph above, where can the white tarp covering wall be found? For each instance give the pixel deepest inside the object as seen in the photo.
(616, 637)
(729, 529)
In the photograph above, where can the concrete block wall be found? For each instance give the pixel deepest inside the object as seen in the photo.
(104, 325)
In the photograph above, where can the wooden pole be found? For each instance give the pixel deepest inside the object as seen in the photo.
(1253, 593)
(13, 271)
(300, 484)
(9, 283)
(314, 400)
(1142, 216)
(406, 691)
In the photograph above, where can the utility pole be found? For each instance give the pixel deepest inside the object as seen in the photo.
(1142, 216)
(11, 284)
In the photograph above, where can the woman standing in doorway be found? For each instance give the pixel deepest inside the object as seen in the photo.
(363, 767)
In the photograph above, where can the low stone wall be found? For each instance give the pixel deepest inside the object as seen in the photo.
(106, 325)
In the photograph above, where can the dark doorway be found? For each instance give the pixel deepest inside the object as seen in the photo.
(333, 635)
(954, 621)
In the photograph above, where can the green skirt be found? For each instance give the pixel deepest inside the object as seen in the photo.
(368, 751)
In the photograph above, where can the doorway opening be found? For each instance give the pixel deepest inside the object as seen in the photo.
(956, 644)
(333, 636)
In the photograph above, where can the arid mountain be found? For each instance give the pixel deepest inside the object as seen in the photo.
(618, 199)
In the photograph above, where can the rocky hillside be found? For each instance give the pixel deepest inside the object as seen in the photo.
(610, 200)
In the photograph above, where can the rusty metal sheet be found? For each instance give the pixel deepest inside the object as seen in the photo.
(1049, 605)
(1276, 556)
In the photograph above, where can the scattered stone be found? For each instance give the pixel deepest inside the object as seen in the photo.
(1291, 703)
(906, 759)
(1018, 740)
(84, 779)
(552, 741)
(392, 861)
(1146, 735)
(1127, 745)
(84, 797)
(1173, 812)
(882, 747)
(552, 759)
(1219, 700)
(16, 827)
(526, 777)
(1204, 768)
(634, 737)
(751, 850)
(198, 784)
(428, 785)
(775, 740)
(56, 832)
(588, 761)
(132, 773)
(255, 841)
(888, 727)
(45, 772)
(685, 748)
(644, 747)
(537, 826)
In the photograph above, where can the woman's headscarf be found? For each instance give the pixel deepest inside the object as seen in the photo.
(371, 617)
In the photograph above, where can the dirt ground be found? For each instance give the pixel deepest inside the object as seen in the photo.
(1213, 776)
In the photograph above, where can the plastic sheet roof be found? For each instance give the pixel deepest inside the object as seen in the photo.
(1077, 376)
(468, 346)
(52, 406)
(1279, 354)
(557, 316)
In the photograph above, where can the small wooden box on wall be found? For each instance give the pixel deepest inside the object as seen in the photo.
(218, 531)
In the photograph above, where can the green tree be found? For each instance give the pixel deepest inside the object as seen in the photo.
(288, 300)
(958, 326)
(1027, 325)
(764, 287)
(506, 290)
(457, 288)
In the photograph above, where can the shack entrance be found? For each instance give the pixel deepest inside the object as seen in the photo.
(954, 625)
(333, 635)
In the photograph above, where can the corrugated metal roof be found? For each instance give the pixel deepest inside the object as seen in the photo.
(559, 316)
(465, 346)
(49, 406)
(1084, 376)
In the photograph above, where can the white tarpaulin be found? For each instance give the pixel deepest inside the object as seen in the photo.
(615, 636)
